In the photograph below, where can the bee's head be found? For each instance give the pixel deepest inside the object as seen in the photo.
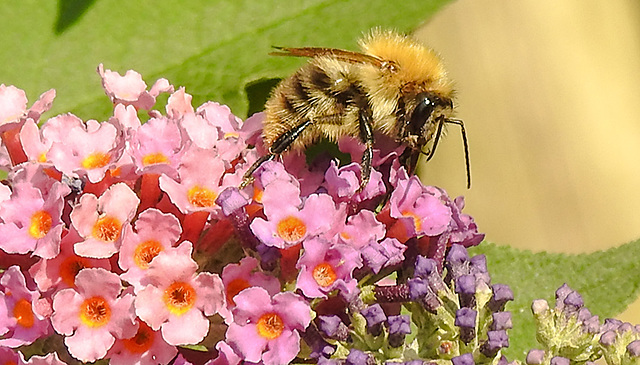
(423, 113)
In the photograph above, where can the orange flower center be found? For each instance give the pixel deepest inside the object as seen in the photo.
(141, 342)
(201, 197)
(417, 221)
(145, 252)
(70, 267)
(23, 313)
(40, 224)
(179, 297)
(154, 158)
(324, 274)
(95, 312)
(270, 326)
(96, 160)
(107, 229)
(291, 229)
(235, 287)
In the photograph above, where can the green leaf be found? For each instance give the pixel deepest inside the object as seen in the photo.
(217, 49)
(607, 280)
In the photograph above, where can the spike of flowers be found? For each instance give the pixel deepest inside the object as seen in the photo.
(128, 241)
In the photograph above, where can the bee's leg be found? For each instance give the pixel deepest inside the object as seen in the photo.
(281, 144)
(366, 136)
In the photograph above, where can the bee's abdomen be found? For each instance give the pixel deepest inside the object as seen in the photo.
(323, 91)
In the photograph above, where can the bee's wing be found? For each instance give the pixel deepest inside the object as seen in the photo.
(340, 54)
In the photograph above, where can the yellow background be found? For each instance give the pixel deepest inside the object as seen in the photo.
(550, 94)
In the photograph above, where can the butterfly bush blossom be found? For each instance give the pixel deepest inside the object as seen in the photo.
(128, 242)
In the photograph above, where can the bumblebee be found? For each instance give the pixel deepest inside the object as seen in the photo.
(395, 86)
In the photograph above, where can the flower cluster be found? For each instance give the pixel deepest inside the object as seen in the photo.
(129, 241)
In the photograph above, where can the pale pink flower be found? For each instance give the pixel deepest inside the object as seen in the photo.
(100, 220)
(130, 89)
(176, 299)
(90, 149)
(31, 220)
(20, 324)
(154, 232)
(93, 315)
(199, 184)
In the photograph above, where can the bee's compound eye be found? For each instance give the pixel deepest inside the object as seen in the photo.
(421, 113)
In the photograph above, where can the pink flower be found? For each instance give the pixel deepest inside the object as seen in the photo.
(20, 323)
(267, 329)
(146, 347)
(130, 89)
(50, 359)
(100, 220)
(60, 272)
(90, 150)
(176, 299)
(287, 223)
(199, 185)
(361, 229)
(419, 208)
(226, 355)
(157, 146)
(154, 232)
(93, 315)
(237, 277)
(13, 104)
(31, 220)
(325, 268)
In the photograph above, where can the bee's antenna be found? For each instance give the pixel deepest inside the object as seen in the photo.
(436, 139)
(466, 147)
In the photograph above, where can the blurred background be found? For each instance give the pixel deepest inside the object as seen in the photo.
(550, 94)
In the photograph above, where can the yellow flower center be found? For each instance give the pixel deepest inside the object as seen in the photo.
(201, 197)
(23, 313)
(95, 312)
(179, 297)
(417, 221)
(270, 326)
(145, 252)
(291, 229)
(40, 224)
(107, 229)
(96, 160)
(154, 158)
(324, 274)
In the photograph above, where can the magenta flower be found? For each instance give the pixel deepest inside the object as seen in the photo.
(154, 232)
(31, 220)
(93, 315)
(20, 324)
(361, 229)
(419, 208)
(100, 221)
(267, 329)
(325, 267)
(176, 299)
(146, 347)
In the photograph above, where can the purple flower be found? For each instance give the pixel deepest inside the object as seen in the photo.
(464, 359)
(375, 317)
(399, 326)
(267, 329)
